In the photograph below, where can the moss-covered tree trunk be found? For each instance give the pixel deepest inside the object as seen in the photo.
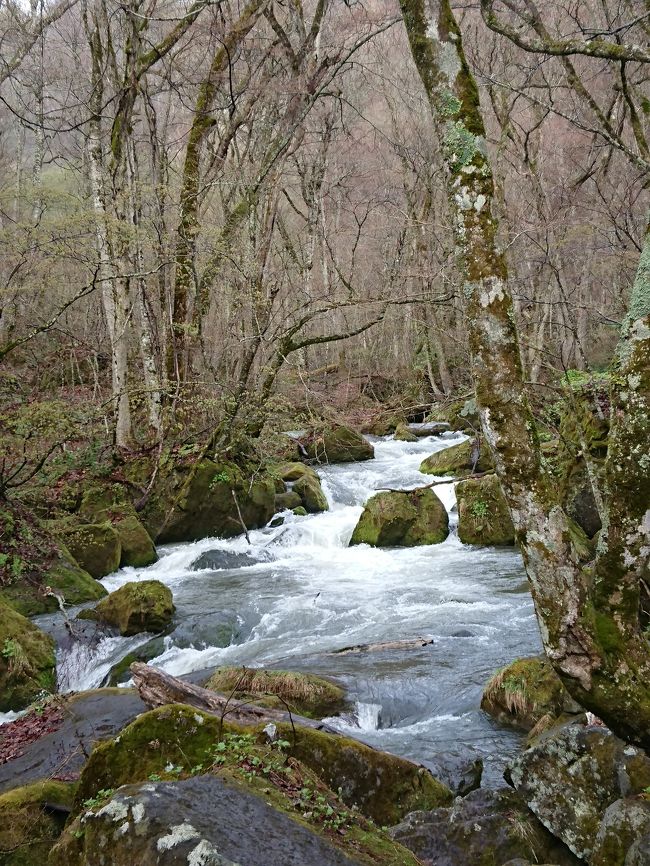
(588, 615)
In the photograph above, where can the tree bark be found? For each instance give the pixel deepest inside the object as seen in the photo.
(588, 616)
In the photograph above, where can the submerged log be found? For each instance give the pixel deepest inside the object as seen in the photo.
(409, 643)
(156, 688)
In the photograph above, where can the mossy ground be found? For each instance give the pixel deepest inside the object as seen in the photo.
(27, 662)
(28, 825)
(304, 694)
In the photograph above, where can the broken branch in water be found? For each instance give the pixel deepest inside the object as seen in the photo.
(435, 483)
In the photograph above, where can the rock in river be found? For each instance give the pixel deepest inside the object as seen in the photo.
(144, 605)
(402, 519)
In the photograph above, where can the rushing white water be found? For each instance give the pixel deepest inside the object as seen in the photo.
(307, 594)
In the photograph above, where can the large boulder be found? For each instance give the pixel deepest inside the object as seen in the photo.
(234, 817)
(195, 498)
(483, 515)
(486, 828)
(383, 787)
(311, 494)
(27, 662)
(110, 504)
(625, 826)
(338, 445)
(456, 460)
(288, 500)
(402, 519)
(403, 434)
(95, 546)
(525, 692)
(31, 820)
(571, 776)
(142, 606)
(304, 694)
(35, 566)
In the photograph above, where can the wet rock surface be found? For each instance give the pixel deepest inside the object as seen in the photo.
(87, 718)
(460, 771)
(222, 559)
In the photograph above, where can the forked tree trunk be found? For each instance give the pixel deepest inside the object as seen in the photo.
(588, 615)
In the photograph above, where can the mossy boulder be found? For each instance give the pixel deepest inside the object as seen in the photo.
(396, 519)
(288, 500)
(304, 694)
(27, 661)
(31, 820)
(456, 460)
(525, 692)
(403, 434)
(461, 415)
(385, 424)
(311, 494)
(625, 826)
(109, 503)
(95, 546)
(338, 445)
(193, 500)
(483, 515)
(33, 562)
(383, 787)
(145, 605)
(226, 818)
(295, 471)
(486, 828)
(571, 776)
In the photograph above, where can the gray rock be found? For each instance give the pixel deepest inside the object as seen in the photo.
(219, 560)
(488, 827)
(461, 772)
(89, 717)
(624, 823)
(202, 821)
(570, 777)
(639, 853)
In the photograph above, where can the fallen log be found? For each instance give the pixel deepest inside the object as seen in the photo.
(409, 643)
(156, 688)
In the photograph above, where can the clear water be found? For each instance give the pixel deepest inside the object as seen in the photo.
(308, 594)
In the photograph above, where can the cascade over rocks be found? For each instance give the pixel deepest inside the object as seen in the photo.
(402, 519)
(144, 605)
(483, 515)
(570, 777)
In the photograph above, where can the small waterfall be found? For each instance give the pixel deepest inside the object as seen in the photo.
(368, 716)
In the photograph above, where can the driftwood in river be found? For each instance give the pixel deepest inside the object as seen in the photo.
(409, 643)
(156, 688)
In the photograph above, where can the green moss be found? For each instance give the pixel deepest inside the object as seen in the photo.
(95, 546)
(483, 515)
(456, 460)
(311, 494)
(305, 694)
(524, 692)
(27, 662)
(145, 605)
(382, 786)
(28, 829)
(402, 519)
